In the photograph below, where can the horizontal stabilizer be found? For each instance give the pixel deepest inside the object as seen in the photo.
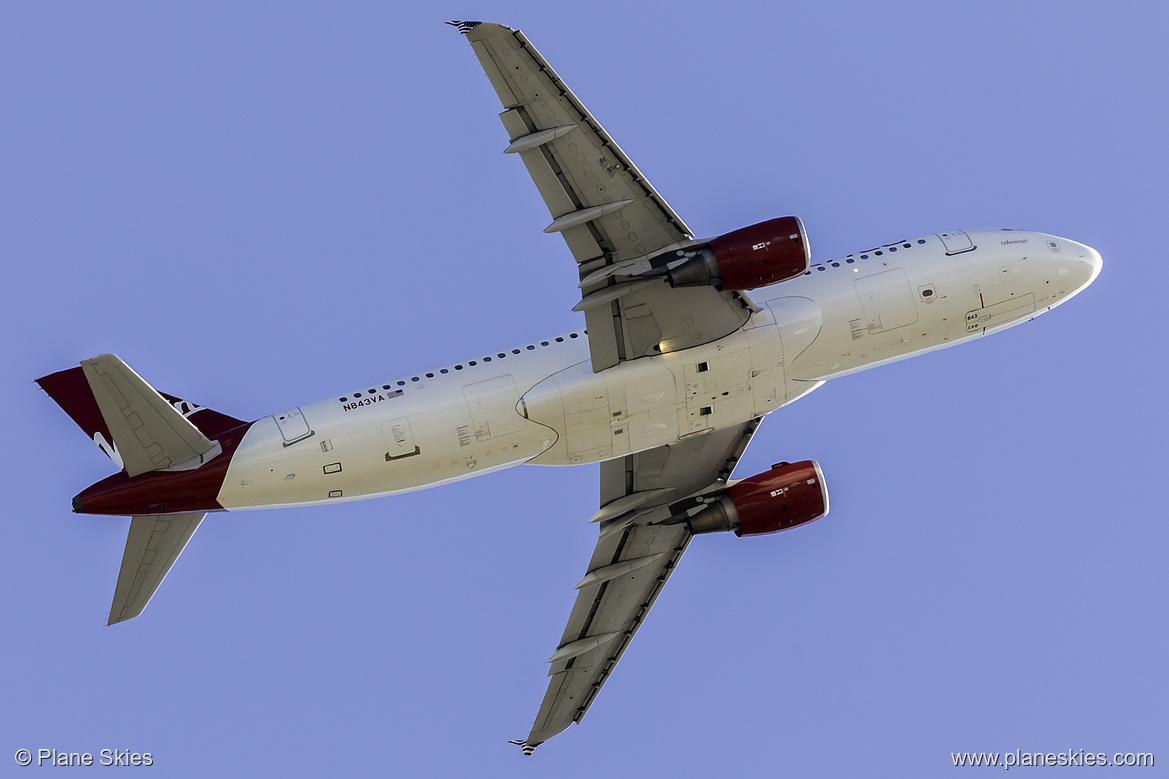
(152, 546)
(149, 433)
(70, 390)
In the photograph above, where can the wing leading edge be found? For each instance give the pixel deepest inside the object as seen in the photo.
(601, 204)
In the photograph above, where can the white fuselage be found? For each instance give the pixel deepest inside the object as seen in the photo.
(542, 403)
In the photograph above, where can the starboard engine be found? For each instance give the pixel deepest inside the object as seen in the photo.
(788, 495)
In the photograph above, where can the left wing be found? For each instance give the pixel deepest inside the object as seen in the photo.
(630, 565)
(603, 207)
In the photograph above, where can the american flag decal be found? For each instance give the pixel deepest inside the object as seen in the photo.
(465, 27)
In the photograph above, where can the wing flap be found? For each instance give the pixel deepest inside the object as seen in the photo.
(152, 546)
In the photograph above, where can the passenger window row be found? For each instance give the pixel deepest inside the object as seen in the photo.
(850, 259)
(458, 367)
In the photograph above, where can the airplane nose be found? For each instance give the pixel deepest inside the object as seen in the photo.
(1093, 262)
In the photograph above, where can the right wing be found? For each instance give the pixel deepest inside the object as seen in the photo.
(630, 565)
(152, 546)
(603, 207)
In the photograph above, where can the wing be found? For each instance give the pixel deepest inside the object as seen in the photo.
(152, 546)
(630, 565)
(603, 207)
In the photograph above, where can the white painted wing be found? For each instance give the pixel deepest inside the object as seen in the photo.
(152, 546)
(605, 209)
(629, 567)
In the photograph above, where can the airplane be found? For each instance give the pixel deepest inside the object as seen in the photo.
(664, 386)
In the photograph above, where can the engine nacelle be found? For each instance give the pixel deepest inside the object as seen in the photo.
(755, 256)
(788, 495)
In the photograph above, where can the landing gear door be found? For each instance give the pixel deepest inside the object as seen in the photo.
(293, 426)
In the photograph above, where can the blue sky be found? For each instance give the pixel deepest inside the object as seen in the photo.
(258, 207)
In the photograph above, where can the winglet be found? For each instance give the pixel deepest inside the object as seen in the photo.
(465, 27)
(524, 745)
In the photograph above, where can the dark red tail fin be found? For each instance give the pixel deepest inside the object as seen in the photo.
(70, 389)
